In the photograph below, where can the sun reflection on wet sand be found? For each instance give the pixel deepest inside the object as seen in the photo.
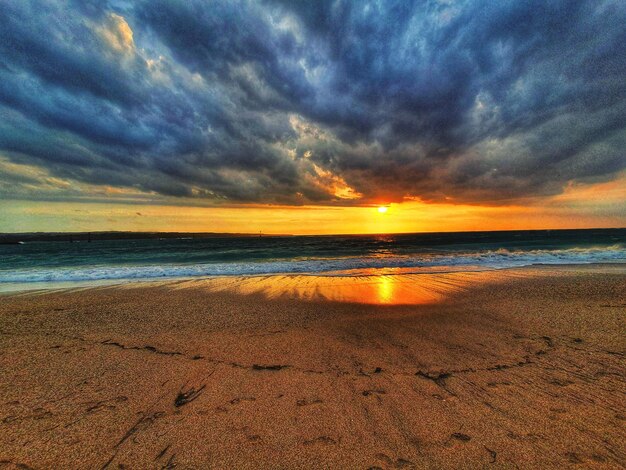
(378, 289)
(385, 290)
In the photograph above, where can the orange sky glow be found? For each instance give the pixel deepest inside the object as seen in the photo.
(579, 206)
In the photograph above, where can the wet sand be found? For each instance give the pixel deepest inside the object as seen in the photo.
(516, 369)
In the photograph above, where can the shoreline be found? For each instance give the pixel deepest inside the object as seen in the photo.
(42, 287)
(526, 370)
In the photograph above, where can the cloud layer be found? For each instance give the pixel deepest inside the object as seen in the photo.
(322, 102)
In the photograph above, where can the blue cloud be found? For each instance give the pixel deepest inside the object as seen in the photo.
(285, 102)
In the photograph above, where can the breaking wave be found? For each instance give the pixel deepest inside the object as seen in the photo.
(416, 263)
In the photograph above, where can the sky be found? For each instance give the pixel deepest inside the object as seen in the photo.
(304, 117)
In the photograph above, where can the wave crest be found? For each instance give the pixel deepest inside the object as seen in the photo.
(489, 259)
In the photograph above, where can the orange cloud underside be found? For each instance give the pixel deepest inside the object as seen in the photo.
(579, 206)
(602, 205)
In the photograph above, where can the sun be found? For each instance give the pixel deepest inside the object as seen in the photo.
(382, 209)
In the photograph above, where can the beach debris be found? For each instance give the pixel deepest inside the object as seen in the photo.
(377, 370)
(522, 363)
(269, 367)
(367, 393)
(19, 465)
(147, 347)
(399, 463)
(144, 422)
(438, 378)
(162, 453)
(236, 401)
(459, 436)
(305, 402)
(170, 464)
(493, 453)
(187, 396)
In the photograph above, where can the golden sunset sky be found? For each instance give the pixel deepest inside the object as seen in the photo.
(584, 206)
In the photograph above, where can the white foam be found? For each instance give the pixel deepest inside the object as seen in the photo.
(415, 263)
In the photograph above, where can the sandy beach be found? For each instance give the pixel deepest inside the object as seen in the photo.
(521, 368)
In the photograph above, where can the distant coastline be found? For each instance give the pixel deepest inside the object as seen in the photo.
(15, 238)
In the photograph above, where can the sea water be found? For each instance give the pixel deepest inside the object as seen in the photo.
(41, 263)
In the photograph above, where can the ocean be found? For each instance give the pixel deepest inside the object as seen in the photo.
(348, 255)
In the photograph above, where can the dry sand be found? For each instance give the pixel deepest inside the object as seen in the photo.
(524, 369)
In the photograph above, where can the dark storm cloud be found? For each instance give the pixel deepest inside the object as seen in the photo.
(296, 101)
